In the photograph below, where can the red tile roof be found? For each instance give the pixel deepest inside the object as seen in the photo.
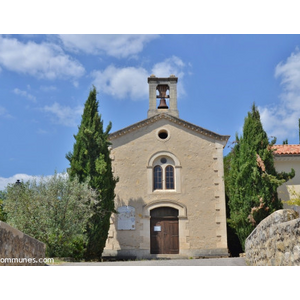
(286, 149)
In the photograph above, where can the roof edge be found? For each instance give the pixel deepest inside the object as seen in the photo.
(173, 119)
(286, 150)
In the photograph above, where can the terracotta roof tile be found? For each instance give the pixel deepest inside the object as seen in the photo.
(286, 149)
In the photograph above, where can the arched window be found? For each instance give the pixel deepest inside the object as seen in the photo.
(169, 176)
(163, 173)
(163, 177)
(157, 178)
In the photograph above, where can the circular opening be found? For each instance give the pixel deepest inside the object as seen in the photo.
(163, 160)
(163, 134)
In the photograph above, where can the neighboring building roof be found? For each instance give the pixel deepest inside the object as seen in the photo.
(173, 119)
(280, 150)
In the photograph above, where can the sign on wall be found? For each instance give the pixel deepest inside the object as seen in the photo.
(126, 218)
(157, 228)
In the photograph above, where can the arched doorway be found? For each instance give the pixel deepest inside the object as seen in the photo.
(164, 231)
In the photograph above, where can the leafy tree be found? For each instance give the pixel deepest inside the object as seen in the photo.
(90, 159)
(252, 180)
(54, 210)
(2, 213)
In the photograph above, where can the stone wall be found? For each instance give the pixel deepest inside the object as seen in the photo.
(19, 249)
(275, 241)
(198, 194)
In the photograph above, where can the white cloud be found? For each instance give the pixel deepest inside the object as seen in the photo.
(281, 120)
(43, 60)
(171, 66)
(48, 88)
(131, 82)
(64, 115)
(2, 110)
(41, 131)
(24, 94)
(290, 72)
(121, 83)
(4, 113)
(117, 45)
(22, 177)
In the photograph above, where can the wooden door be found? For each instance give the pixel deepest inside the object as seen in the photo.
(164, 236)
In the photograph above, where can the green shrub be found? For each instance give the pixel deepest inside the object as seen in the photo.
(54, 210)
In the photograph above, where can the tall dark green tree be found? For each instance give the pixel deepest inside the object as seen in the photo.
(90, 160)
(252, 180)
(234, 245)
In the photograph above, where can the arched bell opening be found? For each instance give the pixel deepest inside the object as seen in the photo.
(162, 95)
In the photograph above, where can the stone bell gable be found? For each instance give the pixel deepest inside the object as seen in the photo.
(170, 196)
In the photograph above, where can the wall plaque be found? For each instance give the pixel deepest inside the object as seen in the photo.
(126, 218)
(157, 228)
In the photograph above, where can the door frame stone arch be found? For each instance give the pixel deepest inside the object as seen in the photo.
(182, 210)
(182, 219)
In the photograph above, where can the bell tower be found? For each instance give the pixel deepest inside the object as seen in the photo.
(167, 95)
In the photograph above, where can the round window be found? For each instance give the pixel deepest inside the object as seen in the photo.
(163, 134)
(163, 160)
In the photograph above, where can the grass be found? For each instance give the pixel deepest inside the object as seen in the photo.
(57, 261)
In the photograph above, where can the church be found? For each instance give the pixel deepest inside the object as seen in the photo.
(170, 197)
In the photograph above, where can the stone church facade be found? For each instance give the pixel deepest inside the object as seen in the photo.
(170, 196)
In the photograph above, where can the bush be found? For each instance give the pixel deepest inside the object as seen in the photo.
(54, 210)
(3, 215)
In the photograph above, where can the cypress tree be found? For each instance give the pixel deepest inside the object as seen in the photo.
(90, 161)
(252, 180)
(234, 245)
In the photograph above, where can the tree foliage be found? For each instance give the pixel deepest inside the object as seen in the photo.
(252, 181)
(91, 159)
(2, 212)
(53, 210)
(234, 245)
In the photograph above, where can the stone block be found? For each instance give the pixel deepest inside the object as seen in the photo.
(275, 241)
(17, 248)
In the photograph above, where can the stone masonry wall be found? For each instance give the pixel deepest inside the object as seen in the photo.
(199, 187)
(19, 249)
(275, 241)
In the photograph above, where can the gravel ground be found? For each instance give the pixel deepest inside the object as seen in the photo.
(232, 261)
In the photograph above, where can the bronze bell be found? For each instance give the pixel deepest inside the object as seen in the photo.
(162, 103)
(162, 89)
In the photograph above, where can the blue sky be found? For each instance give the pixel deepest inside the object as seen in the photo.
(45, 81)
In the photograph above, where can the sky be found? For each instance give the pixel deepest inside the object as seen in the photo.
(45, 80)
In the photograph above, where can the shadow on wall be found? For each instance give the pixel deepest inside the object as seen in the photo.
(128, 226)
